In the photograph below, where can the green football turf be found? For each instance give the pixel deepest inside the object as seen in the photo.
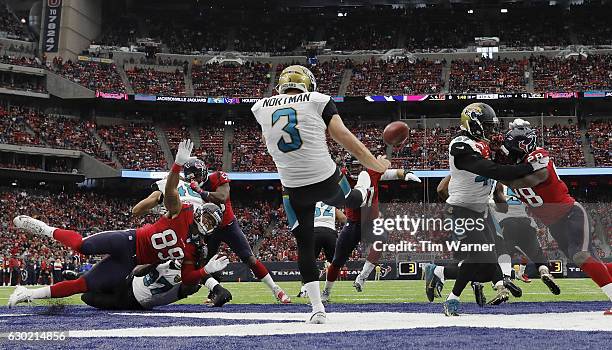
(582, 289)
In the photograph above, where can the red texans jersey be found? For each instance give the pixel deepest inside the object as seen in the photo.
(550, 200)
(354, 214)
(215, 180)
(166, 239)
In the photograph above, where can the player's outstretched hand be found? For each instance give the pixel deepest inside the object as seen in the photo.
(183, 154)
(383, 164)
(409, 176)
(216, 263)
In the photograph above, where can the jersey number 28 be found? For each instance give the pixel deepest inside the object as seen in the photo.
(289, 128)
(162, 240)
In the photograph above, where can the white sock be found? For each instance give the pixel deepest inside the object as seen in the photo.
(211, 283)
(269, 282)
(362, 185)
(522, 269)
(314, 293)
(543, 270)
(328, 286)
(505, 262)
(607, 289)
(366, 270)
(452, 296)
(41, 293)
(439, 271)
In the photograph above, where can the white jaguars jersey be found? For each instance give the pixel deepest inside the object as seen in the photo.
(467, 189)
(159, 287)
(516, 208)
(294, 131)
(186, 194)
(325, 216)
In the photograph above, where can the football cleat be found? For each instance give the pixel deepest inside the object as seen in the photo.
(549, 281)
(525, 278)
(281, 296)
(363, 185)
(512, 288)
(359, 284)
(221, 296)
(478, 288)
(433, 284)
(209, 298)
(451, 307)
(70, 275)
(20, 295)
(502, 296)
(32, 225)
(318, 317)
(325, 296)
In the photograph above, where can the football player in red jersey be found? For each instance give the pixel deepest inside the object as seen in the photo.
(176, 235)
(215, 188)
(351, 233)
(547, 199)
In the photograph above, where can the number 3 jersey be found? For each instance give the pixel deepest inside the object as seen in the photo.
(549, 201)
(159, 287)
(166, 239)
(294, 128)
(465, 188)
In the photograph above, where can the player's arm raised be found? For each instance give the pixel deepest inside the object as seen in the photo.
(145, 205)
(220, 196)
(172, 201)
(341, 134)
(501, 205)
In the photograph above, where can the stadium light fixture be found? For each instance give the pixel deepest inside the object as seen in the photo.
(23, 20)
(504, 10)
(470, 11)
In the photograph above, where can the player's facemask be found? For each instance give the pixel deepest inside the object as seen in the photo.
(207, 218)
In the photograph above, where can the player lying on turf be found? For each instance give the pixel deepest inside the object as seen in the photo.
(357, 230)
(153, 285)
(177, 235)
(294, 125)
(186, 195)
(546, 197)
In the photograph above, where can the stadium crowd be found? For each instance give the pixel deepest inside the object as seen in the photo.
(96, 76)
(233, 80)
(155, 82)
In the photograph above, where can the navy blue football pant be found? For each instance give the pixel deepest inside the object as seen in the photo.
(233, 236)
(117, 265)
(299, 203)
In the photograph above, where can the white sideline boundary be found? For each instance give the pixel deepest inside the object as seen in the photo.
(352, 321)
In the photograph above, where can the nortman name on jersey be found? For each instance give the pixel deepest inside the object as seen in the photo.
(279, 101)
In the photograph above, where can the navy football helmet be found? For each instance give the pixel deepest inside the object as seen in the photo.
(196, 170)
(519, 142)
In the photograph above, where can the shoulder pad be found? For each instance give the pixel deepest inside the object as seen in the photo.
(459, 147)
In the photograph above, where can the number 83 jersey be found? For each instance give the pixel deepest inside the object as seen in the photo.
(294, 128)
(166, 239)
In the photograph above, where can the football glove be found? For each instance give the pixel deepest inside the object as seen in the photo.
(183, 154)
(216, 263)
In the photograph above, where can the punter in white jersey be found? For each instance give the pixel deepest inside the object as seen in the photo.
(294, 126)
(149, 286)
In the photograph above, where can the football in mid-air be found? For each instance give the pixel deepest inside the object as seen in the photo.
(395, 133)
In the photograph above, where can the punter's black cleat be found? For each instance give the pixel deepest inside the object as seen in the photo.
(515, 290)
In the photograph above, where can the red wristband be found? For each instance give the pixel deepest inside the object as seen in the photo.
(176, 168)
